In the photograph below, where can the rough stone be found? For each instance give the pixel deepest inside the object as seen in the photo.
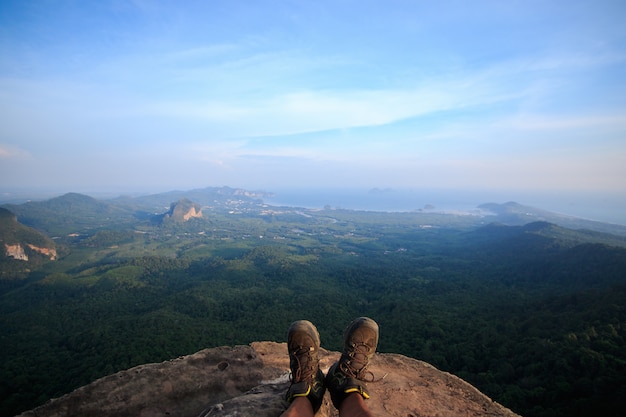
(252, 380)
(16, 252)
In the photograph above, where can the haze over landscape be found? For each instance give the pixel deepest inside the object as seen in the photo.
(193, 176)
(503, 101)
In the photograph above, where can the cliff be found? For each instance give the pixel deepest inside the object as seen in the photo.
(183, 210)
(16, 251)
(21, 242)
(251, 381)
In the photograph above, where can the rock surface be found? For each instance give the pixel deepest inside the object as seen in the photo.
(16, 237)
(183, 210)
(252, 380)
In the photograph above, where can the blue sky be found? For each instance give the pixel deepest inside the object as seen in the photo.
(516, 95)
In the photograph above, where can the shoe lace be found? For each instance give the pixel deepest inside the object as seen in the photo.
(306, 367)
(357, 359)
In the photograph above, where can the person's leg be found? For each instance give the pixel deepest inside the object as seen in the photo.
(307, 380)
(299, 407)
(354, 406)
(347, 377)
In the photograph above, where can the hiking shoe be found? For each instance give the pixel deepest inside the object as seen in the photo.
(307, 380)
(349, 374)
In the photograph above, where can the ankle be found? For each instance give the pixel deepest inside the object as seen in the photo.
(299, 407)
(353, 405)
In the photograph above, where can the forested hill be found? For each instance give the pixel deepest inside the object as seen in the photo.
(22, 248)
(77, 211)
(512, 213)
(534, 315)
(69, 213)
(12, 231)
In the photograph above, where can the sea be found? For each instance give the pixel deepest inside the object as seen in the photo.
(607, 207)
(599, 206)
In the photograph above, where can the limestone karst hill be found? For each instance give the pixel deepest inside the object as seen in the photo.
(183, 210)
(251, 381)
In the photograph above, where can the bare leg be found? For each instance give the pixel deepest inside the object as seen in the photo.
(299, 407)
(354, 406)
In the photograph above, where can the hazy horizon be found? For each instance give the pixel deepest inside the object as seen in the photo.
(598, 206)
(509, 97)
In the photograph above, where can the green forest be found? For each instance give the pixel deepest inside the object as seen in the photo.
(532, 314)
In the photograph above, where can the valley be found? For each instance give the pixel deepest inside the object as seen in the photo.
(530, 311)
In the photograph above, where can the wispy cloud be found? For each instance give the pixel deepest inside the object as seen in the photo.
(9, 152)
(616, 122)
(240, 91)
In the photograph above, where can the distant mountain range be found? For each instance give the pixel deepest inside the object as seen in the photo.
(26, 229)
(84, 212)
(75, 211)
(514, 214)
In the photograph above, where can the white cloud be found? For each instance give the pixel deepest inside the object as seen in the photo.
(314, 111)
(284, 109)
(245, 104)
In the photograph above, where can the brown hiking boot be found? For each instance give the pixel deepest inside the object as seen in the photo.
(349, 374)
(307, 380)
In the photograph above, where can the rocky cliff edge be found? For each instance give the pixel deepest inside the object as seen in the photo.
(252, 380)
